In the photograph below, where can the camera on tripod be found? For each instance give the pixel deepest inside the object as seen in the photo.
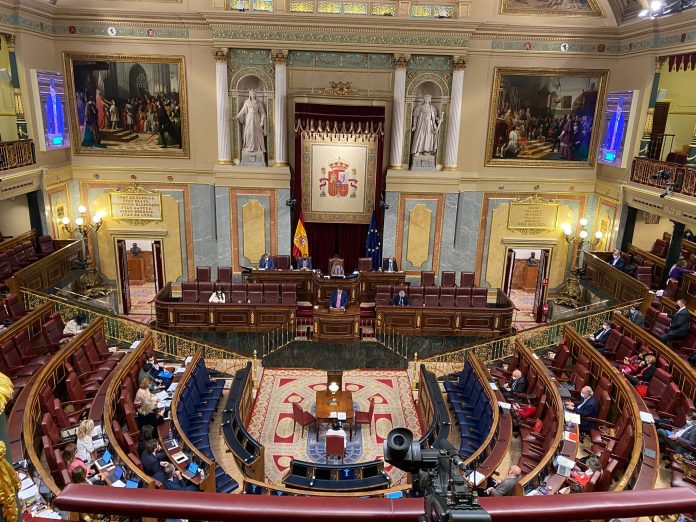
(661, 175)
(448, 497)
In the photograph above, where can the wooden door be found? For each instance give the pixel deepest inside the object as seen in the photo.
(509, 268)
(122, 259)
(157, 261)
(657, 135)
(542, 285)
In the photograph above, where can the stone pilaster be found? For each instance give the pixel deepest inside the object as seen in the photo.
(398, 109)
(223, 105)
(455, 114)
(280, 57)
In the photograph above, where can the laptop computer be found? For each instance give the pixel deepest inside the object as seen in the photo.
(191, 471)
(104, 461)
(116, 474)
(132, 484)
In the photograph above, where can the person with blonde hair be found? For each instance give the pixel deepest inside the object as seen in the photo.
(71, 461)
(85, 444)
(146, 402)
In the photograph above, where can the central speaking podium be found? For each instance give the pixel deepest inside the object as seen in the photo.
(337, 326)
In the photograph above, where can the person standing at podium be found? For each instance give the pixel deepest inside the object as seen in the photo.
(389, 265)
(266, 262)
(338, 300)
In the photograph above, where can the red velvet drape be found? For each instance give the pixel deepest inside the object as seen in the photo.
(327, 239)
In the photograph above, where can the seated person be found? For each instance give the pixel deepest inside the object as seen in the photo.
(156, 369)
(170, 477)
(337, 270)
(506, 487)
(678, 269)
(587, 406)
(616, 260)
(78, 476)
(304, 263)
(218, 296)
(524, 411)
(266, 262)
(631, 365)
(644, 372)
(147, 433)
(389, 265)
(599, 338)
(635, 316)
(681, 322)
(151, 458)
(516, 384)
(147, 404)
(581, 477)
(71, 461)
(686, 435)
(336, 429)
(85, 445)
(75, 325)
(401, 299)
(338, 299)
(146, 372)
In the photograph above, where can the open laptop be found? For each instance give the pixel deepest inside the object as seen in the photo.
(191, 471)
(104, 461)
(116, 474)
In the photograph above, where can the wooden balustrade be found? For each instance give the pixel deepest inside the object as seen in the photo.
(18, 240)
(15, 154)
(611, 280)
(643, 170)
(48, 271)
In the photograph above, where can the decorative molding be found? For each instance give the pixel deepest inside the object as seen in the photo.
(339, 89)
(458, 63)
(401, 61)
(220, 53)
(280, 57)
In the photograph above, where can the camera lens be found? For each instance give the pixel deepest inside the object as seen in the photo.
(398, 440)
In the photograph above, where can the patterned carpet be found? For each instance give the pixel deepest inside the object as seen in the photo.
(524, 302)
(272, 422)
(141, 295)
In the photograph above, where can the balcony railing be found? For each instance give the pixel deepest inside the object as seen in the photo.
(15, 154)
(683, 177)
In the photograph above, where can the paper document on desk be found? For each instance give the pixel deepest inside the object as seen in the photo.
(162, 396)
(493, 386)
(182, 369)
(505, 405)
(475, 477)
(574, 418)
(29, 492)
(647, 417)
(333, 415)
(188, 360)
(341, 415)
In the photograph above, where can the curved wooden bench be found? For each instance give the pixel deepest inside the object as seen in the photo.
(432, 409)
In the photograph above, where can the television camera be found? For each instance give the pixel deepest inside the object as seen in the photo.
(448, 497)
(666, 176)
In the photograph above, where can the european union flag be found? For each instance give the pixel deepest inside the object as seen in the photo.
(374, 245)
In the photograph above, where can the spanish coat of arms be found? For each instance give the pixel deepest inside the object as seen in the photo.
(339, 180)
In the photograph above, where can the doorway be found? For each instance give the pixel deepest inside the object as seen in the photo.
(140, 275)
(526, 283)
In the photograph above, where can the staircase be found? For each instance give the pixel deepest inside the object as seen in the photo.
(117, 135)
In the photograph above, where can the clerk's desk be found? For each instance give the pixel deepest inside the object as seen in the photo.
(317, 289)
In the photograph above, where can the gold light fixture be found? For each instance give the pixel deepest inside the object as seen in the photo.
(570, 292)
(91, 282)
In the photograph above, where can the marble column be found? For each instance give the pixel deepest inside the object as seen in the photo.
(223, 106)
(455, 114)
(643, 149)
(280, 107)
(397, 135)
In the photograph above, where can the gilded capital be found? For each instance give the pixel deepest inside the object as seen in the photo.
(659, 62)
(401, 60)
(280, 56)
(694, 134)
(220, 53)
(459, 63)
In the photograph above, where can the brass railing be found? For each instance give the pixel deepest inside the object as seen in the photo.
(126, 330)
(15, 154)
(684, 176)
(540, 338)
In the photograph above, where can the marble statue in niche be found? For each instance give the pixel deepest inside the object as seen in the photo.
(425, 128)
(253, 118)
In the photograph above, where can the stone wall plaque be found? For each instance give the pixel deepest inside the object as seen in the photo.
(136, 205)
(532, 215)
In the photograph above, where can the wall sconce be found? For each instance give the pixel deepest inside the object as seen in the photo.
(570, 293)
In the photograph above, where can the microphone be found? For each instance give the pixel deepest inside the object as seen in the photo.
(225, 423)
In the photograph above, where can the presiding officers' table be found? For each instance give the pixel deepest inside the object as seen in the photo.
(344, 398)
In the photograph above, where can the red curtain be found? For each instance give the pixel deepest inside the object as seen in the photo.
(682, 61)
(327, 239)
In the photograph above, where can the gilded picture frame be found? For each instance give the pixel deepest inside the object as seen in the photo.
(528, 125)
(541, 8)
(144, 90)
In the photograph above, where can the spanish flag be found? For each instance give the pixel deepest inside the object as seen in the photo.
(300, 244)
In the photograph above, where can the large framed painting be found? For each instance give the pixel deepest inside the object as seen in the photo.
(551, 7)
(545, 117)
(124, 105)
(338, 180)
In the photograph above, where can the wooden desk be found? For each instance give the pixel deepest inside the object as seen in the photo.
(336, 326)
(136, 269)
(345, 405)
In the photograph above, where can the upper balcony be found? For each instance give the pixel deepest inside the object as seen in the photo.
(669, 176)
(15, 154)
(421, 9)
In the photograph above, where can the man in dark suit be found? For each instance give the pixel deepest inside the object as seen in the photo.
(151, 459)
(599, 338)
(617, 261)
(401, 299)
(389, 265)
(171, 479)
(517, 384)
(681, 322)
(338, 299)
(587, 406)
(304, 263)
(266, 262)
(686, 434)
(635, 316)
